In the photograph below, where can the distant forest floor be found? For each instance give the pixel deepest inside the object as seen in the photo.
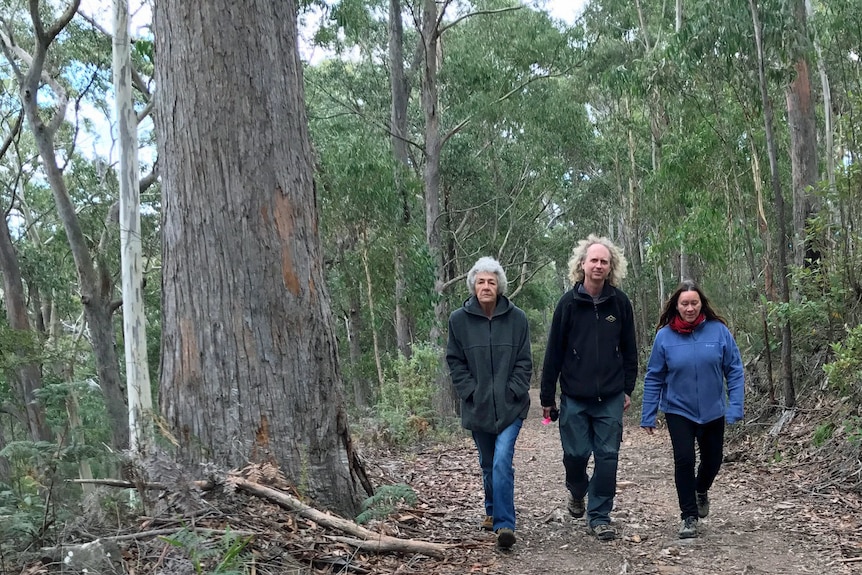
(767, 517)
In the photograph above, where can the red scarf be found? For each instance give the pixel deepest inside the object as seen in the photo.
(679, 325)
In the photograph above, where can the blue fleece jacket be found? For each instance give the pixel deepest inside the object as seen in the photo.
(686, 375)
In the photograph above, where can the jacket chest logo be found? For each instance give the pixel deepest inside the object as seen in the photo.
(610, 319)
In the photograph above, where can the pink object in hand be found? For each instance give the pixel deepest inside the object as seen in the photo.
(546, 421)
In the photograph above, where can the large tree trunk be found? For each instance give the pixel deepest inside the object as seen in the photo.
(249, 359)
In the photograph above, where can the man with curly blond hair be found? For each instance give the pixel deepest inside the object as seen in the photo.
(592, 351)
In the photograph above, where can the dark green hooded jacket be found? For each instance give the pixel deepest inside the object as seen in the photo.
(490, 364)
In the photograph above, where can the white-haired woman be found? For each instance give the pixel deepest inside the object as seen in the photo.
(490, 363)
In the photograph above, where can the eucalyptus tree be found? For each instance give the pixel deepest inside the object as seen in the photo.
(515, 162)
(249, 357)
(134, 322)
(23, 340)
(399, 89)
(783, 236)
(803, 131)
(35, 76)
(360, 211)
(836, 26)
(453, 110)
(628, 99)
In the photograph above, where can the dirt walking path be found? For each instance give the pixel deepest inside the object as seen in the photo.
(763, 519)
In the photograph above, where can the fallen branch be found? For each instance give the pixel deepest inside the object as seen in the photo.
(202, 485)
(367, 540)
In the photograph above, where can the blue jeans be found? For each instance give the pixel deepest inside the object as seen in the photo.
(496, 451)
(710, 442)
(592, 427)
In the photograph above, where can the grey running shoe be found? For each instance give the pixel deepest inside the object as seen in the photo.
(688, 528)
(505, 538)
(603, 532)
(702, 504)
(576, 506)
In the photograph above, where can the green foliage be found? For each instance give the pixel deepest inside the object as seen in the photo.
(22, 515)
(853, 430)
(385, 501)
(822, 434)
(405, 405)
(844, 372)
(226, 556)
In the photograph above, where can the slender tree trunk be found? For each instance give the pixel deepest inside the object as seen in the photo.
(786, 347)
(400, 166)
(27, 374)
(361, 387)
(803, 143)
(134, 323)
(446, 400)
(369, 291)
(431, 175)
(5, 467)
(249, 360)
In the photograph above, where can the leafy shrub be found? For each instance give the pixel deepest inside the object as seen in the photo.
(822, 434)
(385, 502)
(406, 399)
(227, 556)
(844, 372)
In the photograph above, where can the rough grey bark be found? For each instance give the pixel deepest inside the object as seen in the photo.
(249, 364)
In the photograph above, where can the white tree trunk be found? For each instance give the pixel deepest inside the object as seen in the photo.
(134, 324)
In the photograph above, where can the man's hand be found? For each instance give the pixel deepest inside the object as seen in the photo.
(546, 410)
(627, 402)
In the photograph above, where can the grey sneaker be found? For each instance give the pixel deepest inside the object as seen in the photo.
(603, 532)
(688, 528)
(505, 538)
(576, 506)
(702, 504)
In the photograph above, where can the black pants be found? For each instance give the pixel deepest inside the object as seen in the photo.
(710, 442)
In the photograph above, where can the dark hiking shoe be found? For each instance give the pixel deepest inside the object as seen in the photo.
(505, 538)
(702, 504)
(576, 506)
(603, 532)
(488, 523)
(688, 528)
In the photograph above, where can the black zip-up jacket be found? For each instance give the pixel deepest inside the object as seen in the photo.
(592, 347)
(490, 364)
